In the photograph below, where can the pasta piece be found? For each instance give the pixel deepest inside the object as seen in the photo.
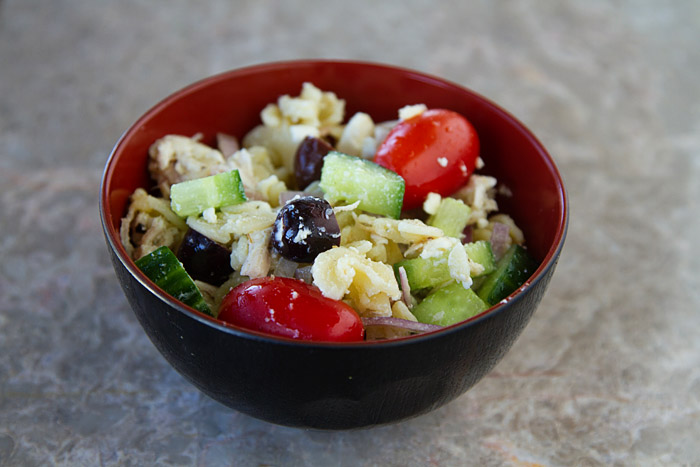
(346, 272)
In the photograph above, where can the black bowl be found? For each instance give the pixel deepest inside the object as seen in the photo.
(326, 385)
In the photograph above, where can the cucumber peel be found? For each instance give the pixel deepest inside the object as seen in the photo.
(163, 268)
(512, 270)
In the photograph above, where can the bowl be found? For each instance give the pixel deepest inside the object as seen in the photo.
(326, 385)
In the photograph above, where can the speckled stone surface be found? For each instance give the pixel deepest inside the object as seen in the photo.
(607, 372)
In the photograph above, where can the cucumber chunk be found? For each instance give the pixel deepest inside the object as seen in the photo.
(481, 252)
(430, 272)
(449, 305)
(423, 273)
(512, 270)
(349, 179)
(216, 191)
(163, 268)
(451, 217)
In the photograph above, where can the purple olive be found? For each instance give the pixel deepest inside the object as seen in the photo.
(304, 228)
(204, 259)
(308, 161)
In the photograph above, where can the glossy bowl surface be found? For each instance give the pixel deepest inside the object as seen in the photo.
(336, 386)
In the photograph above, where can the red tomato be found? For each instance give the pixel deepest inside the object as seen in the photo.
(290, 308)
(435, 151)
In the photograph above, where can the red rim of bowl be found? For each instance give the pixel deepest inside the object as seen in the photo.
(114, 240)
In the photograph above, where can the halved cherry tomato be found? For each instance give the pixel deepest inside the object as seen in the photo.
(290, 308)
(435, 151)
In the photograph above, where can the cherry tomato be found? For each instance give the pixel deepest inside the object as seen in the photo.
(435, 151)
(290, 308)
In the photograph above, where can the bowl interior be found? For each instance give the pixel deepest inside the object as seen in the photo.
(231, 103)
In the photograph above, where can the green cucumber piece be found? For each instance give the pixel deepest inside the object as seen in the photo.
(512, 270)
(451, 217)
(216, 191)
(449, 305)
(349, 179)
(481, 252)
(423, 273)
(163, 268)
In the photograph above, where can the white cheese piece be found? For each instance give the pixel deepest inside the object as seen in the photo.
(360, 127)
(432, 203)
(409, 111)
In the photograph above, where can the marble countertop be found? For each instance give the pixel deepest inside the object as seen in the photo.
(606, 373)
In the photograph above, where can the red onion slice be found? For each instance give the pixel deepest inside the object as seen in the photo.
(304, 274)
(400, 323)
(468, 233)
(287, 196)
(499, 237)
(405, 288)
(285, 268)
(228, 145)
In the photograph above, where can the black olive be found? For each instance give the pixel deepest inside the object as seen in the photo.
(308, 161)
(304, 228)
(204, 259)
